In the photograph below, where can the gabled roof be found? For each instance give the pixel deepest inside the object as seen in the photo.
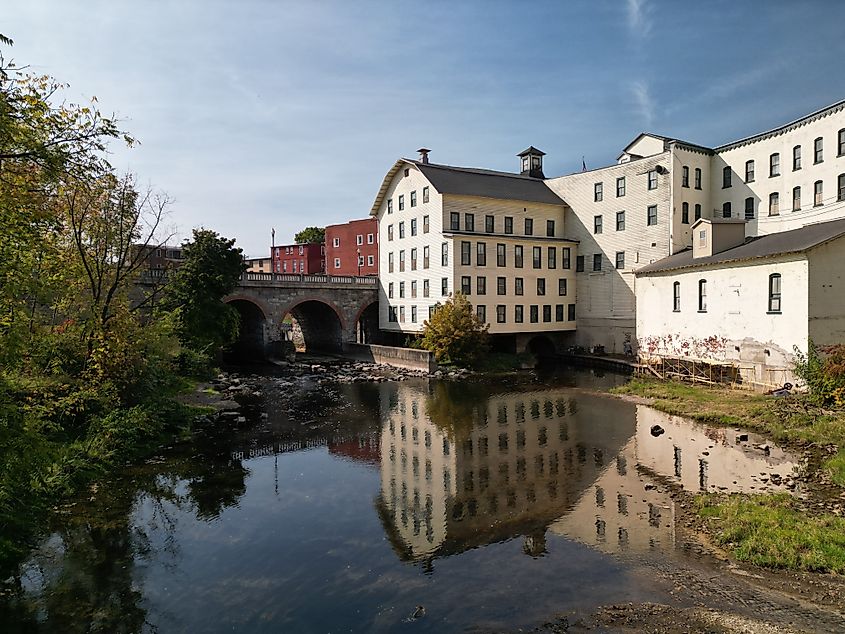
(466, 181)
(774, 244)
(531, 150)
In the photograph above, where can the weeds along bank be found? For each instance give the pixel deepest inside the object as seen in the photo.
(87, 364)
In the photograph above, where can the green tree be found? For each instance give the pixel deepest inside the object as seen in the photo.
(210, 271)
(454, 333)
(311, 235)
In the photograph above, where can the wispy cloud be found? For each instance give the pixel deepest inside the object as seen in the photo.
(639, 17)
(643, 102)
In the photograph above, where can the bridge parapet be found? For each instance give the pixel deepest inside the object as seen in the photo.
(305, 280)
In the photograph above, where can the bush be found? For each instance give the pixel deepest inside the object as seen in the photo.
(823, 371)
(454, 333)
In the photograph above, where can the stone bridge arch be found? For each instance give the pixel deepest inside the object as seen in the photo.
(253, 336)
(320, 321)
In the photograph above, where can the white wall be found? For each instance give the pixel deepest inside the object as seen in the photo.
(827, 293)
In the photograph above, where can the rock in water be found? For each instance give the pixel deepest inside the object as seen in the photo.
(657, 430)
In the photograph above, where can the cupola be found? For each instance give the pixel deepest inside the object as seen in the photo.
(531, 162)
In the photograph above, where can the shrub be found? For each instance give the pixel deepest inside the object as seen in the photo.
(454, 333)
(823, 371)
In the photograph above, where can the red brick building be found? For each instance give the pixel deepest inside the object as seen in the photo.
(352, 248)
(299, 258)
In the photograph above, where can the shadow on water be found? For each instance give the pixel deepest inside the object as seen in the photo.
(373, 498)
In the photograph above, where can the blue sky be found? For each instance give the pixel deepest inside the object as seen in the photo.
(259, 114)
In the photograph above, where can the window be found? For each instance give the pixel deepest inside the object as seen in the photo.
(401, 290)
(774, 164)
(390, 262)
(391, 313)
(840, 190)
(551, 256)
(337, 263)
(425, 194)
(796, 198)
(620, 259)
(565, 257)
(818, 151)
(444, 254)
(370, 238)
(697, 211)
(444, 286)
(481, 254)
(518, 314)
(426, 224)
(501, 259)
(620, 186)
(597, 262)
(817, 194)
(726, 210)
(518, 286)
(547, 312)
(652, 179)
(390, 290)
(529, 227)
(550, 228)
(620, 221)
(466, 284)
(534, 313)
(774, 204)
(426, 259)
(652, 215)
(570, 312)
(413, 259)
(480, 285)
(726, 177)
(413, 289)
(698, 178)
(840, 142)
(469, 222)
(389, 232)
(489, 224)
(597, 224)
(425, 288)
(559, 312)
(685, 213)
(413, 226)
(598, 192)
(774, 293)
(402, 314)
(561, 287)
(390, 205)
(796, 158)
(481, 311)
(336, 242)
(749, 208)
(500, 314)
(414, 198)
(413, 314)
(401, 260)
(685, 176)
(579, 263)
(702, 296)
(508, 224)
(401, 202)
(517, 256)
(455, 221)
(537, 253)
(501, 286)
(702, 238)
(749, 171)
(676, 297)
(401, 230)
(466, 253)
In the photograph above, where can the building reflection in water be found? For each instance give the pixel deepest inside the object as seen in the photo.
(461, 469)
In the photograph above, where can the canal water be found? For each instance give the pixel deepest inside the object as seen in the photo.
(415, 506)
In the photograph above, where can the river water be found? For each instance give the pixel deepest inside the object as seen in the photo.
(412, 506)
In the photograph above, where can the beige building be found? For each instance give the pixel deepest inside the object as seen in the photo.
(259, 265)
(497, 237)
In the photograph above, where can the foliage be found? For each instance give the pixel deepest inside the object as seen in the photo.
(822, 369)
(311, 235)
(211, 270)
(454, 333)
(775, 532)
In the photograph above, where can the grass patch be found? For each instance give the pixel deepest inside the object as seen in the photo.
(774, 532)
(836, 467)
(795, 418)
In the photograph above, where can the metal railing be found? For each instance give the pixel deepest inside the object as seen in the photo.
(306, 278)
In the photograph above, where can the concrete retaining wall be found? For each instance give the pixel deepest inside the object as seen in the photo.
(409, 358)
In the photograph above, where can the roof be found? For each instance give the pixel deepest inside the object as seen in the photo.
(774, 244)
(720, 221)
(466, 181)
(531, 150)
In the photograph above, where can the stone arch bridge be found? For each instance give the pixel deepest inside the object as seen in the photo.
(330, 311)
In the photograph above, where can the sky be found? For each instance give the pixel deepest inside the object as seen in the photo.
(254, 115)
